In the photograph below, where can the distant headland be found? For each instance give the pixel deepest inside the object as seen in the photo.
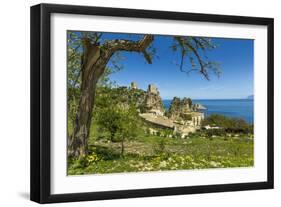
(250, 97)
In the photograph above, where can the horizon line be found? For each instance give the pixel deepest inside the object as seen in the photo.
(211, 98)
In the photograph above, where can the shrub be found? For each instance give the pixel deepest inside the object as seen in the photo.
(192, 134)
(229, 125)
(159, 147)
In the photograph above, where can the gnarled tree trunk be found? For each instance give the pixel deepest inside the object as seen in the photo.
(92, 67)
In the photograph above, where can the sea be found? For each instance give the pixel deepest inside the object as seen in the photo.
(236, 108)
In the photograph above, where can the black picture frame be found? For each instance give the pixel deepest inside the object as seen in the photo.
(41, 97)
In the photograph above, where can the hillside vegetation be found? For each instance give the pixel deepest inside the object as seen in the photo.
(120, 141)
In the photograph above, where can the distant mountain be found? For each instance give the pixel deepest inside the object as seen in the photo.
(250, 97)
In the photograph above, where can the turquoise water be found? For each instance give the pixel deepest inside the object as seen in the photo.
(237, 108)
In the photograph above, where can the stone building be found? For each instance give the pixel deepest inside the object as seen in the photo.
(197, 118)
(153, 102)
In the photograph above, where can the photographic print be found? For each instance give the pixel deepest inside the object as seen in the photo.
(130, 103)
(149, 102)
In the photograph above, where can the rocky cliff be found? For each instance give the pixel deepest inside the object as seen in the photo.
(198, 107)
(179, 107)
(153, 102)
(150, 101)
(146, 101)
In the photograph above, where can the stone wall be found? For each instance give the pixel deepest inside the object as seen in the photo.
(197, 118)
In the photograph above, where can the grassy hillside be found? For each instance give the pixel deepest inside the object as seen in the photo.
(120, 141)
(155, 153)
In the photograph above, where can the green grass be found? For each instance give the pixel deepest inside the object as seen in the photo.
(153, 153)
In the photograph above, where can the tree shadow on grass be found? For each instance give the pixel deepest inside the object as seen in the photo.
(107, 153)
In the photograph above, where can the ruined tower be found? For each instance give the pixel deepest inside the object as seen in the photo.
(134, 85)
(152, 89)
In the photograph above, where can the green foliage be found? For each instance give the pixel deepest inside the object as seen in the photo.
(159, 147)
(108, 119)
(120, 120)
(74, 52)
(107, 153)
(172, 154)
(177, 135)
(73, 74)
(214, 132)
(230, 125)
(115, 114)
(92, 158)
(127, 122)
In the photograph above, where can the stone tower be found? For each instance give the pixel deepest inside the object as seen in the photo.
(152, 89)
(134, 85)
(153, 102)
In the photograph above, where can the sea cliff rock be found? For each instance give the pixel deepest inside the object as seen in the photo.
(145, 101)
(198, 107)
(153, 102)
(179, 108)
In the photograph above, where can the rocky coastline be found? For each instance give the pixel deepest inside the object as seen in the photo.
(183, 116)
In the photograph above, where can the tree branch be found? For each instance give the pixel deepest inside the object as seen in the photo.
(131, 46)
(201, 62)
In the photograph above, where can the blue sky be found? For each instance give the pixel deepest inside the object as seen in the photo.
(234, 55)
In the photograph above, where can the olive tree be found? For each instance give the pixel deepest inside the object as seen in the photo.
(120, 121)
